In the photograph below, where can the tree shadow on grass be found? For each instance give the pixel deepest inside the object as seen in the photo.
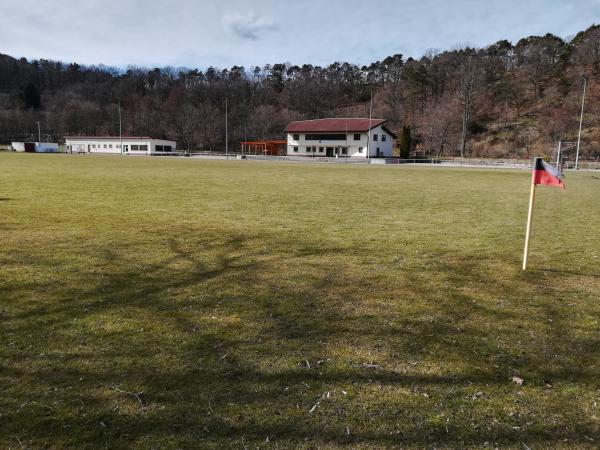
(231, 344)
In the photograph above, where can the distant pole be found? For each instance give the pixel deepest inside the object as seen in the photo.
(347, 148)
(462, 141)
(558, 154)
(580, 124)
(370, 117)
(226, 135)
(120, 130)
(245, 137)
(529, 216)
(39, 133)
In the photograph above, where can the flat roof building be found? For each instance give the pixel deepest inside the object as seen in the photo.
(340, 138)
(131, 145)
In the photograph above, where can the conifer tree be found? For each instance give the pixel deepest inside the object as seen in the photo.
(405, 142)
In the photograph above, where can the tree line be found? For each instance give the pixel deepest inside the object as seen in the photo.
(502, 100)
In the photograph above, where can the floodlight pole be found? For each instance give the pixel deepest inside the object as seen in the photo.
(226, 135)
(558, 154)
(347, 149)
(370, 117)
(39, 133)
(580, 124)
(120, 130)
(245, 138)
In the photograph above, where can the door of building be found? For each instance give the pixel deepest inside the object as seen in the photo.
(329, 152)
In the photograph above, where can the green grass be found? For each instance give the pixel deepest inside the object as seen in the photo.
(280, 305)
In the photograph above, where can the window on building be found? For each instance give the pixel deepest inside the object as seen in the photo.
(383, 137)
(344, 150)
(360, 149)
(158, 148)
(296, 137)
(144, 147)
(309, 149)
(167, 148)
(93, 145)
(295, 149)
(109, 145)
(326, 137)
(357, 137)
(105, 146)
(321, 149)
(134, 147)
(375, 137)
(126, 148)
(118, 145)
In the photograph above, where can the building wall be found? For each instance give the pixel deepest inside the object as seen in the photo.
(354, 146)
(40, 147)
(46, 147)
(159, 142)
(112, 146)
(18, 146)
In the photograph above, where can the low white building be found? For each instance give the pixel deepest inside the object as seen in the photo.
(37, 147)
(112, 144)
(340, 138)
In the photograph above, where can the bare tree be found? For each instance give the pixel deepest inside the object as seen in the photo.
(469, 77)
(187, 123)
(439, 126)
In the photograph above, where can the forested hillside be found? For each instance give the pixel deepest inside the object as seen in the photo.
(506, 99)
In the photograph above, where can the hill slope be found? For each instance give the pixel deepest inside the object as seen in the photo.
(514, 99)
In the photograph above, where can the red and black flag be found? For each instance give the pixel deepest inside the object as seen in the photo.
(544, 173)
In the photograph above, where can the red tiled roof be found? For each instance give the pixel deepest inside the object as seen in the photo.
(333, 125)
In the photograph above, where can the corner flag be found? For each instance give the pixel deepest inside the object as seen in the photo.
(543, 173)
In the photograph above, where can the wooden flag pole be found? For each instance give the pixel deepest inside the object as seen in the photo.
(529, 217)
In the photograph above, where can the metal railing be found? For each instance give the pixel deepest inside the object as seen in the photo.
(321, 159)
(582, 165)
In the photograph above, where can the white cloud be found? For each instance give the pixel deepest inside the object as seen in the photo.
(248, 26)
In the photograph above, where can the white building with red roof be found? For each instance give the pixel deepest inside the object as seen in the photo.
(341, 138)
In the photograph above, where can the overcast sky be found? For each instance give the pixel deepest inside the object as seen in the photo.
(200, 33)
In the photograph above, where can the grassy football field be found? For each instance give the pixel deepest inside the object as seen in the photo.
(177, 303)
